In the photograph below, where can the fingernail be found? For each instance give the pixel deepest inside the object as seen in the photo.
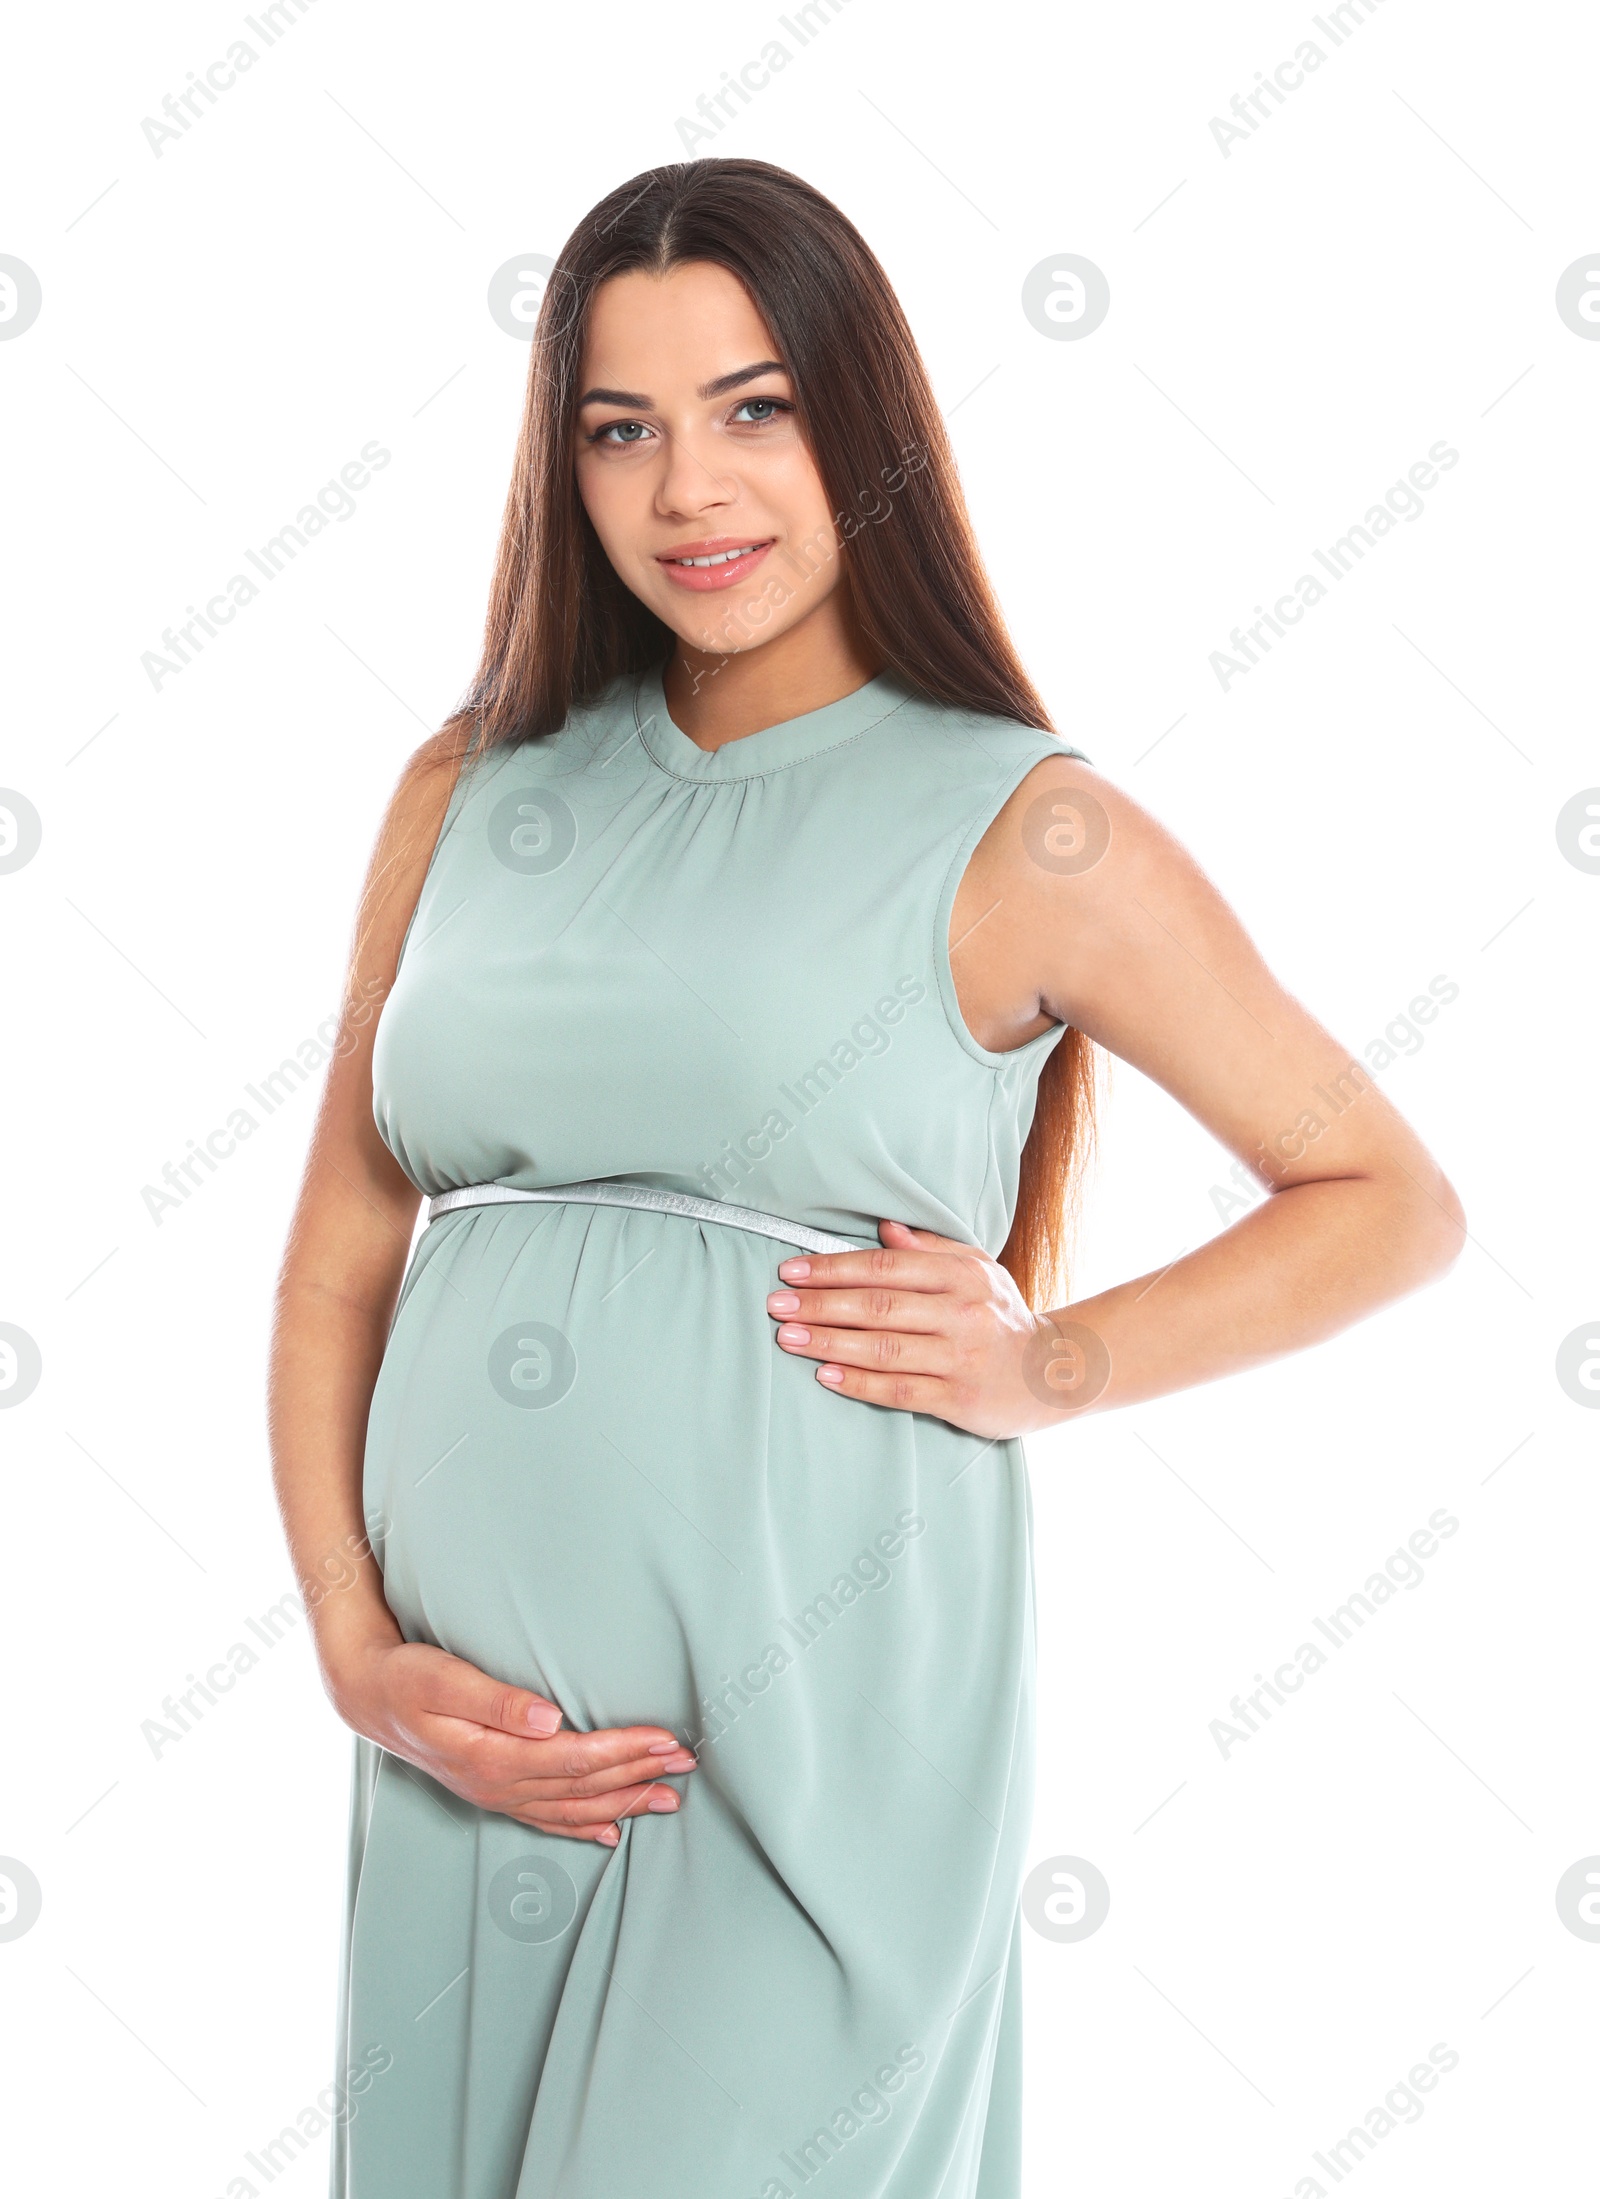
(609, 1838)
(663, 1802)
(685, 1760)
(665, 1748)
(794, 1271)
(833, 1376)
(782, 1301)
(792, 1333)
(544, 1718)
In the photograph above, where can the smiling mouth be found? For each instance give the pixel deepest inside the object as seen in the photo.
(719, 557)
(713, 563)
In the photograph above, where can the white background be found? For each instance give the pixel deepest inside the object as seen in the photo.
(1291, 327)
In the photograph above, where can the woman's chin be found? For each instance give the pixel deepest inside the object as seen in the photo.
(730, 636)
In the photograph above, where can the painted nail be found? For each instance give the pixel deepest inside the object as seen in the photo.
(683, 1761)
(663, 1802)
(794, 1271)
(665, 1748)
(792, 1333)
(609, 1838)
(782, 1301)
(833, 1376)
(544, 1719)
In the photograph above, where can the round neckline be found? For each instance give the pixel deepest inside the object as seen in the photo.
(775, 747)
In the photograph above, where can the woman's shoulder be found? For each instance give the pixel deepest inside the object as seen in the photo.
(964, 746)
(427, 782)
(467, 759)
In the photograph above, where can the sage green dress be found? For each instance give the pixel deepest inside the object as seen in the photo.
(592, 1471)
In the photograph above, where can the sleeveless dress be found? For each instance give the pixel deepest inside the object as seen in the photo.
(725, 974)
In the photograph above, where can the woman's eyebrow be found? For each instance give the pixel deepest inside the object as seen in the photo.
(719, 388)
(725, 382)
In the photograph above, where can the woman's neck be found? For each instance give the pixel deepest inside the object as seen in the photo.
(717, 698)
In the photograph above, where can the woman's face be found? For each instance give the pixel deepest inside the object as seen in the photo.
(688, 448)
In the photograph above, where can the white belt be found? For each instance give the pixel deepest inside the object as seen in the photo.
(618, 1191)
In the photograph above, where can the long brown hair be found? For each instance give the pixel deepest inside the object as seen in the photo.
(562, 626)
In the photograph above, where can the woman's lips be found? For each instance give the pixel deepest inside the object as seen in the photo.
(706, 579)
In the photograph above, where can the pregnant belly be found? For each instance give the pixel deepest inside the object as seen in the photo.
(590, 1470)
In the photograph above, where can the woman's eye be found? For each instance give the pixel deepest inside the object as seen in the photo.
(755, 412)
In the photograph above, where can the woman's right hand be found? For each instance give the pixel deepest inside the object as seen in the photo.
(500, 1747)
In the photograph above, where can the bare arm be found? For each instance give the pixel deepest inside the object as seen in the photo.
(341, 1277)
(346, 1256)
(1136, 948)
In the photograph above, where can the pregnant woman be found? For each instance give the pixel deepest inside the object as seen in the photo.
(741, 946)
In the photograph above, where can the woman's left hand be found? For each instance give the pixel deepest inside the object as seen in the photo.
(924, 1325)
